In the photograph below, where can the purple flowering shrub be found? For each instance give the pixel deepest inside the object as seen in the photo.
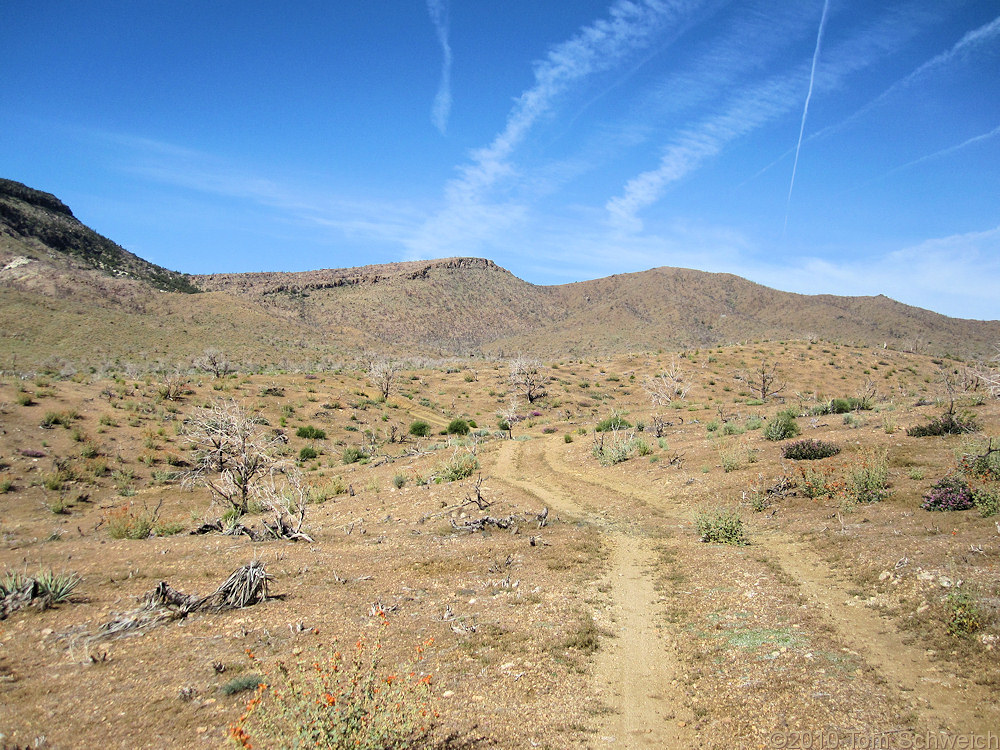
(950, 493)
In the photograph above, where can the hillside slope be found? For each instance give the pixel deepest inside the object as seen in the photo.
(47, 225)
(72, 295)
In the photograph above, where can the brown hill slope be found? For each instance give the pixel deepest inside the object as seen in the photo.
(467, 305)
(70, 296)
(47, 225)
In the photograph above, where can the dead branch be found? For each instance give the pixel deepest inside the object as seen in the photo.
(245, 587)
(480, 524)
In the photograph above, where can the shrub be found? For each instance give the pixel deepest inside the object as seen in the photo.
(398, 481)
(307, 453)
(949, 493)
(420, 428)
(782, 427)
(947, 424)
(459, 466)
(964, 616)
(242, 683)
(809, 450)
(458, 426)
(722, 527)
(621, 447)
(341, 701)
(818, 482)
(987, 501)
(311, 433)
(48, 583)
(869, 481)
(352, 454)
(129, 522)
(614, 422)
(567, 438)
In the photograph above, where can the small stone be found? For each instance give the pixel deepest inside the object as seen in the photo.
(682, 724)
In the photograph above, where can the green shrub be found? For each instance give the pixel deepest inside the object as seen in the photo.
(398, 481)
(352, 454)
(614, 422)
(964, 615)
(947, 424)
(420, 428)
(459, 466)
(868, 482)
(809, 450)
(241, 684)
(567, 438)
(722, 527)
(129, 522)
(458, 426)
(307, 453)
(782, 427)
(987, 501)
(311, 433)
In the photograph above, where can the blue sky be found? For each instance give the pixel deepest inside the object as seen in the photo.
(844, 147)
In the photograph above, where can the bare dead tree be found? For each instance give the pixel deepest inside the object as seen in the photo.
(988, 373)
(288, 502)
(508, 416)
(382, 372)
(763, 380)
(231, 452)
(662, 389)
(527, 378)
(215, 362)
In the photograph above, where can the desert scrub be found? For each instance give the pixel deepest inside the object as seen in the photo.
(809, 450)
(311, 433)
(735, 456)
(57, 587)
(307, 453)
(459, 466)
(947, 424)
(420, 428)
(619, 447)
(819, 482)
(242, 683)
(130, 522)
(722, 527)
(963, 614)
(352, 454)
(782, 427)
(340, 701)
(949, 493)
(613, 423)
(868, 481)
(458, 427)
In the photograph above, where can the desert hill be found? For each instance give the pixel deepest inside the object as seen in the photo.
(71, 295)
(45, 223)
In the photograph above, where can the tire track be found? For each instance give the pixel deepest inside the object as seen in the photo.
(942, 699)
(635, 671)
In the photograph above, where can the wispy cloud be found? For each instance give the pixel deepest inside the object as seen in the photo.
(630, 27)
(746, 111)
(946, 151)
(199, 172)
(441, 109)
(805, 109)
(472, 212)
(970, 43)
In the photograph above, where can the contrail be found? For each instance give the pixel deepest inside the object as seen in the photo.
(805, 110)
(441, 109)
